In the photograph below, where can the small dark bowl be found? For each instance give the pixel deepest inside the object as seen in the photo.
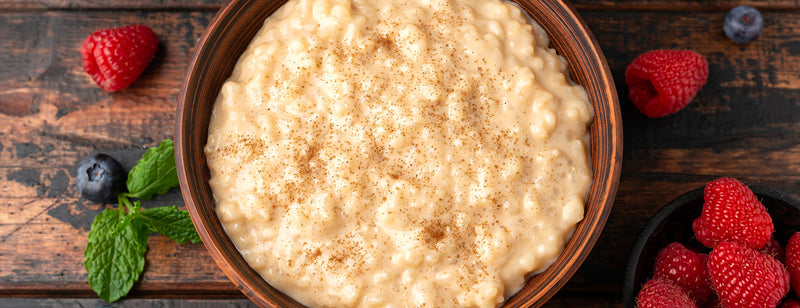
(673, 223)
(231, 31)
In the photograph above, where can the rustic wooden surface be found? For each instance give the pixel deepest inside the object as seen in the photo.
(742, 124)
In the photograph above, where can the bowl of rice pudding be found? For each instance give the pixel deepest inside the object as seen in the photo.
(339, 153)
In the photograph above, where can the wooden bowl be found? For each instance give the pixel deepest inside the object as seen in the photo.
(232, 29)
(673, 223)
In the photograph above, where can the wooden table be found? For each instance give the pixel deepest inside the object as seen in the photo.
(742, 124)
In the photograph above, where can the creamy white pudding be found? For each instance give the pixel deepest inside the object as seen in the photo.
(400, 154)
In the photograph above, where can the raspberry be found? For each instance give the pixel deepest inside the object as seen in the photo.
(659, 292)
(116, 57)
(793, 261)
(685, 268)
(732, 213)
(744, 277)
(661, 82)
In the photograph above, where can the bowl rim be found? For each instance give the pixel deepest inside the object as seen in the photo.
(612, 166)
(594, 221)
(641, 239)
(695, 195)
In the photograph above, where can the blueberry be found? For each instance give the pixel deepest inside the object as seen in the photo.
(100, 178)
(743, 24)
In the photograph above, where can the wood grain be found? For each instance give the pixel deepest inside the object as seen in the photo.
(54, 116)
(742, 124)
(29, 5)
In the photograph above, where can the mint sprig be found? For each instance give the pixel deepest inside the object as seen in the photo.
(172, 222)
(155, 173)
(115, 254)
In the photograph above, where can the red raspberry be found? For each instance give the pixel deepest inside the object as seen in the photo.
(744, 277)
(793, 261)
(686, 268)
(732, 213)
(659, 292)
(774, 249)
(116, 57)
(661, 82)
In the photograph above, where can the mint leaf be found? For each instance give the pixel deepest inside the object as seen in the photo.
(155, 173)
(114, 256)
(170, 221)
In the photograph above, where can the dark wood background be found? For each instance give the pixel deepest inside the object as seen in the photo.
(742, 124)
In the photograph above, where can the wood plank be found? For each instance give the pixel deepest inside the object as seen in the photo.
(53, 116)
(742, 124)
(28, 5)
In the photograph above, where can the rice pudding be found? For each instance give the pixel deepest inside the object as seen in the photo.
(395, 154)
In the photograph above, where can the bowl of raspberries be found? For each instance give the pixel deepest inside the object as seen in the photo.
(728, 244)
